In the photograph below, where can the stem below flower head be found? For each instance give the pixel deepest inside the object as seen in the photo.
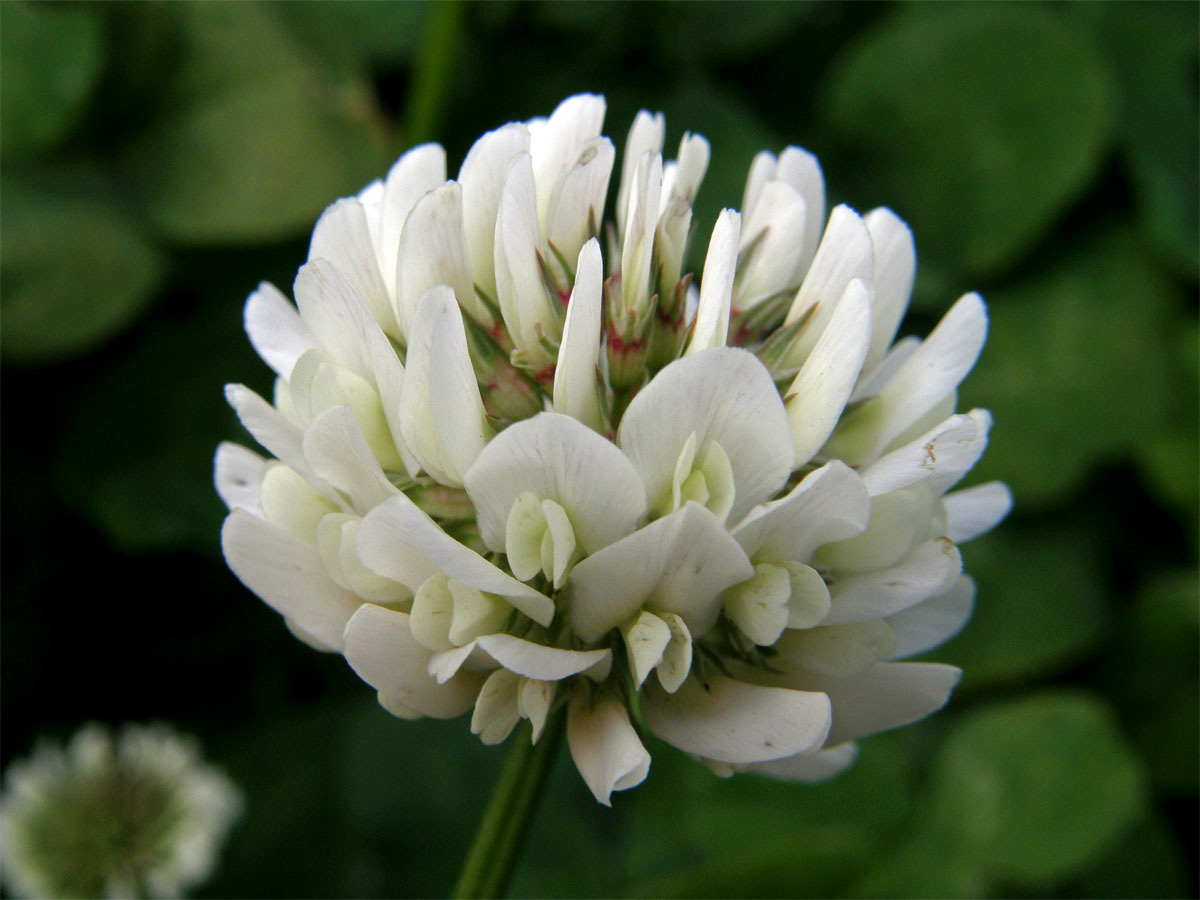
(498, 841)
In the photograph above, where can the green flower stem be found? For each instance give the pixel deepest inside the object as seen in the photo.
(435, 60)
(493, 855)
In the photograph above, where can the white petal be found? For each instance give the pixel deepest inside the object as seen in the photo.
(895, 266)
(275, 329)
(604, 745)
(940, 456)
(845, 253)
(577, 201)
(645, 136)
(575, 389)
(556, 458)
(237, 473)
(899, 520)
(639, 231)
(433, 251)
(544, 663)
(676, 663)
(800, 169)
(337, 315)
(814, 766)
(933, 621)
(534, 702)
(734, 722)
(381, 650)
(691, 162)
(337, 452)
(343, 237)
(520, 290)
(716, 288)
(874, 378)
(497, 710)
(775, 227)
(482, 178)
(830, 504)
(885, 696)
(555, 147)
(389, 382)
(976, 510)
(824, 383)
(646, 637)
(762, 170)
(725, 395)
(267, 425)
(679, 563)
(399, 541)
(289, 502)
(839, 651)
(413, 175)
(927, 570)
(441, 413)
(288, 576)
(925, 378)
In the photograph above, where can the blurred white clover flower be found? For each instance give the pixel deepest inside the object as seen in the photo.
(520, 461)
(138, 815)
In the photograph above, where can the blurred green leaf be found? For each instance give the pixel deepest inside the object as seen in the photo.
(1153, 678)
(351, 34)
(1042, 601)
(1024, 792)
(137, 459)
(258, 141)
(1154, 48)
(52, 57)
(724, 31)
(74, 270)
(980, 123)
(1144, 862)
(1074, 371)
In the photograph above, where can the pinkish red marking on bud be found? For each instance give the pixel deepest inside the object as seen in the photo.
(545, 375)
(564, 296)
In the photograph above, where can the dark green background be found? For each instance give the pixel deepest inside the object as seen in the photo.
(159, 160)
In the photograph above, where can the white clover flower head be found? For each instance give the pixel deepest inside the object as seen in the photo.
(520, 461)
(135, 815)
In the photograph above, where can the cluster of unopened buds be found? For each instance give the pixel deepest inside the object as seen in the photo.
(520, 460)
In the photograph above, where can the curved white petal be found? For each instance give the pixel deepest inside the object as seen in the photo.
(272, 429)
(557, 458)
(775, 227)
(335, 312)
(399, 541)
(482, 178)
(413, 175)
(801, 170)
(639, 231)
(933, 621)
(441, 413)
(762, 170)
(845, 253)
(576, 392)
(679, 563)
(927, 570)
(604, 745)
(343, 237)
(288, 576)
(830, 504)
(555, 147)
(337, 452)
(275, 329)
(520, 290)
(577, 201)
(238, 472)
(711, 327)
(814, 766)
(823, 385)
(925, 378)
(734, 722)
(433, 251)
(725, 395)
(544, 663)
(885, 696)
(948, 450)
(977, 510)
(839, 651)
(645, 136)
(381, 650)
(895, 267)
